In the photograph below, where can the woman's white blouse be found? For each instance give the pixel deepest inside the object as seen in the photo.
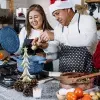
(22, 36)
(50, 51)
(70, 35)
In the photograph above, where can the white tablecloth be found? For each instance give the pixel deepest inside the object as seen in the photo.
(49, 92)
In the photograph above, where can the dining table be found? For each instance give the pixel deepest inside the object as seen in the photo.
(49, 90)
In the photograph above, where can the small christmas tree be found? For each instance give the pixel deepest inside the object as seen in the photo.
(26, 77)
(26, 81)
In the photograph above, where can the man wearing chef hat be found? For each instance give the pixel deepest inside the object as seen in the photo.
(76, 35)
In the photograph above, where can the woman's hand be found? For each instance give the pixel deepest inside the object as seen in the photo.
(34, 42)
(40, 44)
(42, 41)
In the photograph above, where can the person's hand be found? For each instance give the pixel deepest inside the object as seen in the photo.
(46, 36)
(34, 42)
(40, 44)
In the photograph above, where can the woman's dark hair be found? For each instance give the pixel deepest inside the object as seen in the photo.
(39, 9)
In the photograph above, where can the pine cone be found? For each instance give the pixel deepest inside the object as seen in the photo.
(33, 83)
(28, 86)
(28, 91)
(19, 85)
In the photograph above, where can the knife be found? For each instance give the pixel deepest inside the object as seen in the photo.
(51, 74)
(44, 80)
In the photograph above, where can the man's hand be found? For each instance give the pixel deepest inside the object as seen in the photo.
(46, 36)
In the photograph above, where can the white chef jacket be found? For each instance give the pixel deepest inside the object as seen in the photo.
(70, 35)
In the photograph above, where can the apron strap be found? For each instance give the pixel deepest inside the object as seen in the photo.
(78, 23)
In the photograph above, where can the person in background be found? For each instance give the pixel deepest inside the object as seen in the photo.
(96, 57)
(96, 62)
(76, 35)
(36, 22)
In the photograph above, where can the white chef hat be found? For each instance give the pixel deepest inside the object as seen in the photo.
(60, 5)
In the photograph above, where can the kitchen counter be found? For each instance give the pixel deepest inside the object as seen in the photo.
(48, 92)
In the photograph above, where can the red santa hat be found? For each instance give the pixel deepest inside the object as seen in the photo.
(60, 5)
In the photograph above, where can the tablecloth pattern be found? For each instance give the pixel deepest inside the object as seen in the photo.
(48, 93)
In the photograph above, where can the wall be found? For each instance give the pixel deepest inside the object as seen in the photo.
(4, 12)
(17, 3)
(3, 4)
(20, 4)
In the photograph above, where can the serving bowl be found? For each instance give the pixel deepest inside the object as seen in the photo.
(59, 96)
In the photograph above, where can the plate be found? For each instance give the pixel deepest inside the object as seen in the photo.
(9, 39)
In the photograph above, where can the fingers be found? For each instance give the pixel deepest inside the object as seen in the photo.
(44, 37)
(34, 41)
(39, 43)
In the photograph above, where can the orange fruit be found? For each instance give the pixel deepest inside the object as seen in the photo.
(87, 97)
(1, 56)
(79, 92)
(71, 96)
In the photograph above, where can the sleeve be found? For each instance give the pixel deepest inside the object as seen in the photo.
(51, 50)
(22, 36)
(87, 35)
(57, 30)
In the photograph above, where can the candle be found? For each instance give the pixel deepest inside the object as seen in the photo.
(37, 92)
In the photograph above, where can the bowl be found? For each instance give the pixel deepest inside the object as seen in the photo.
(60, 97)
